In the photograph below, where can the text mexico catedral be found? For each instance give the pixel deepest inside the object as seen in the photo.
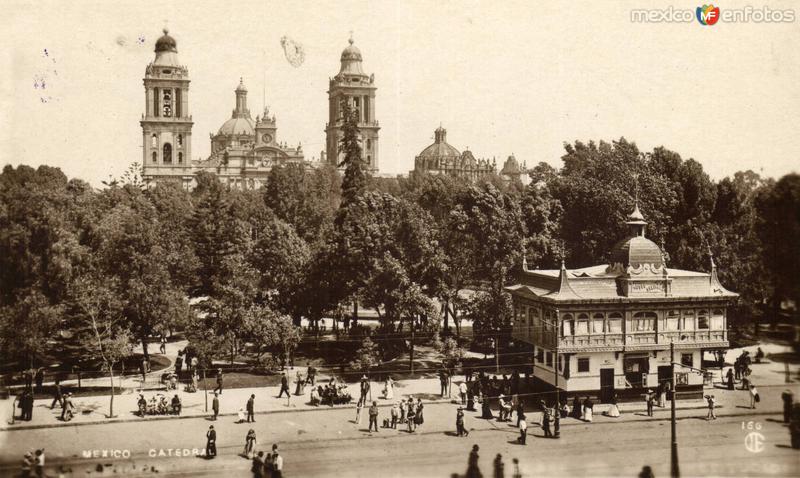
(611, 325)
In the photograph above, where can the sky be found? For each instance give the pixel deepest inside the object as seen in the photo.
(517, 77)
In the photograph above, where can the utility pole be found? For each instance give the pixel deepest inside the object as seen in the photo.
(557, 414)
(496, 354)
(675, 471)
(205, 388)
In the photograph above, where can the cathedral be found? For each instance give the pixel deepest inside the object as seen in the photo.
(442, 158)
(243, 150)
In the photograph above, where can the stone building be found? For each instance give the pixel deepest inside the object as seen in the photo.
(442, 158)
(513, 171)
(607, 329)
(243, 150)
(355, 87)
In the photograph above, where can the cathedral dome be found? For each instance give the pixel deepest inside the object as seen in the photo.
(511, 166)
(351, 61)
(440, 148)
(351, 53)
(166, 43)
(237, 126)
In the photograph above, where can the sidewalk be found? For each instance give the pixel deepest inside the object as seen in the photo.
(194, 404)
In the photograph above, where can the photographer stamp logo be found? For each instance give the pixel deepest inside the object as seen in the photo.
(754, 442)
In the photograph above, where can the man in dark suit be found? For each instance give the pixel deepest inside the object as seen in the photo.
(215, 405)
(219, 382)
(250, 406)
(364, 389)
(211, 442)
(284, 386)
(58, 396)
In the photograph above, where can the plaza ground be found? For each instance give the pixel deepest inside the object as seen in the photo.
(325, 442)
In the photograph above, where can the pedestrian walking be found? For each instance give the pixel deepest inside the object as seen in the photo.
(411, 416)
(179, 363)
(215, 405)
(300, 383)
(211, 442)
(27, 465)
(277, 464)
(251, 409)
(284, 386)
(462, 391)
(395, 414)
(576, 408)
(373, 416)
(546, 419)
(730, 379)
(219, 381)
(39, 379)
(443, 382)
(388, 388)
(257, 468)
(588, 409)
(461, 430)
(403, 410)
(711, 402)
(312, 375)
(68, 410)
(662, 395)
(58, 397)
(419, 418)
(788, 400)
(163, 347)
(754, 397)
(472, 464)
(364, 387)
(520, 411)
(39, 463)
(649, 399)
(359, 406)
(249, 443)
(523, 429)
(499, 467)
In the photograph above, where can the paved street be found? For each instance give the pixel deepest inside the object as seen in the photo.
(325, 442)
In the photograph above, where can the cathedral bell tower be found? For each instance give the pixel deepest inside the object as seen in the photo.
(166, 123)
(354, 86)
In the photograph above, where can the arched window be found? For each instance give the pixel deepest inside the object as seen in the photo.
(154, 141)
(672, 320)
(155, 157)
(568, 325)
(167, 155)
(717, 319)
(702, 319)
(180, 158)
(615, 323)
(687, 321)
(597, 323)
(582, 326)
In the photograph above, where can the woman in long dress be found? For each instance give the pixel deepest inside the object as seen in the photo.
(588, 409)
(388, 389)
(613, 410)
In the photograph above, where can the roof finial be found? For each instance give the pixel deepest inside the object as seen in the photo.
(351, 41)
(165, 30)
(636, 189)
(711, 256)
(563, 253)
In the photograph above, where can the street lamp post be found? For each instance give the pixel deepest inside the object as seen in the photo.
(557, 414)
(675, 471)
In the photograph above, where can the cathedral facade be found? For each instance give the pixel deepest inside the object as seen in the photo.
(243, 150)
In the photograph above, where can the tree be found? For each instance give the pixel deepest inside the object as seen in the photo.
(367, 356)
(27, 325)
(269, 331)
(100, 325)
(355, 179)
(779, 229)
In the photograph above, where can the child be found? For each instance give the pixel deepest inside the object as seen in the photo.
(359, 406)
